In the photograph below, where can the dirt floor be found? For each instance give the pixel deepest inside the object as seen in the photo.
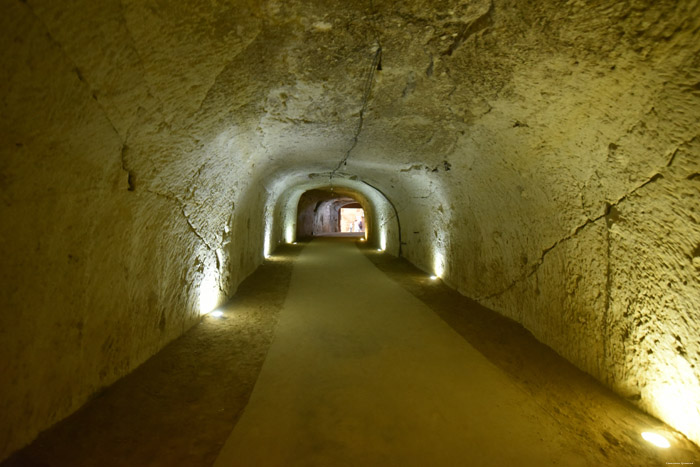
(179, 408)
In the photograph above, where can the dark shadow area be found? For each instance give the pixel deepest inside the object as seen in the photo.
(178, 408)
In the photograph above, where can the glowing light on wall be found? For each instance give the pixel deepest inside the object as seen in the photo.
(289, 233)
(656, 439)
(382, 238)
(439, 264)
(673, 393)
(267, 243)
(266, 247)
(209, 292)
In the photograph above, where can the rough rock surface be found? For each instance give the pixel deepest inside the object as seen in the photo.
(542, 157)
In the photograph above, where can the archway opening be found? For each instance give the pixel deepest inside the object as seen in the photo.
(323, 212)
(352, 218)
(296, 213)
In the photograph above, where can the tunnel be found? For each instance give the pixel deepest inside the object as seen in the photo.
(321, 212)
(529, 177)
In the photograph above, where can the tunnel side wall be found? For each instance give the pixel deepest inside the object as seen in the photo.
(327, 218)
(306, 216)
(100, 267)
(615, 291)
(577, 214)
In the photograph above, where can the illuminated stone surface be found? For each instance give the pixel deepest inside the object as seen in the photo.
(545, 155)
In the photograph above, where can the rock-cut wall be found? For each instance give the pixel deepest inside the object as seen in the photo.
(564, 192)
(542, 157)
(118, 227)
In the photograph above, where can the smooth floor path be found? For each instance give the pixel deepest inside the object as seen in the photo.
(362, 373)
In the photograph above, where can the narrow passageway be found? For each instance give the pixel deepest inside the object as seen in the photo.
(163, 163)
(360, 372)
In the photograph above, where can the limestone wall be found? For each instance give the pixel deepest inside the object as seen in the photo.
(560, 188)
(541, 157)
(113, 239)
